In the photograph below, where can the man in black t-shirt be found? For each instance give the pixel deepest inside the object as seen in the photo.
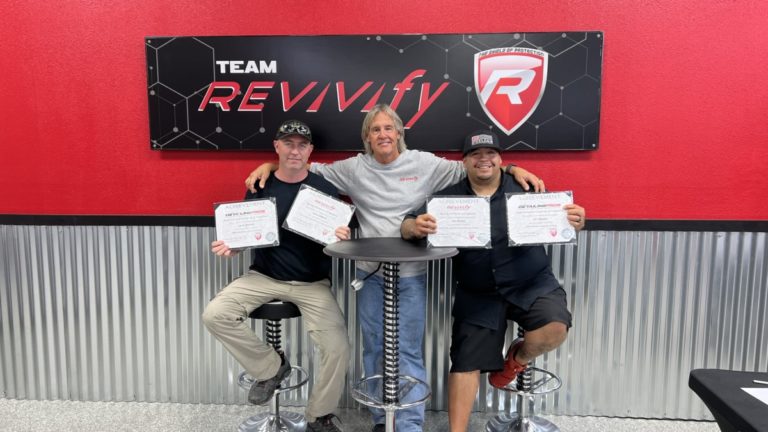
(495, 284)
(296, 271)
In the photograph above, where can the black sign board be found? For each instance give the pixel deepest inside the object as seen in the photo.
(537, 91)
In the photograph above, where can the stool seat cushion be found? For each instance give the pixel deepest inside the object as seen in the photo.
(275, 310)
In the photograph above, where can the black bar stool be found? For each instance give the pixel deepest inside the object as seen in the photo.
(530, 383)
(273, 420)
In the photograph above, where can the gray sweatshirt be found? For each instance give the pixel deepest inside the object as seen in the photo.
(385, 193)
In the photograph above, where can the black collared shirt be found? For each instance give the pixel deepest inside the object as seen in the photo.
(484, 277)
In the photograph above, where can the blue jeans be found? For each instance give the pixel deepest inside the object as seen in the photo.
(412, 316)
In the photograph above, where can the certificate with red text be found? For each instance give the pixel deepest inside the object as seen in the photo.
(462, 221)
(245, 224)
(539, 218)
(316, 215)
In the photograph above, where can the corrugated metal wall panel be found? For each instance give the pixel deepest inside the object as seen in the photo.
(113, 313)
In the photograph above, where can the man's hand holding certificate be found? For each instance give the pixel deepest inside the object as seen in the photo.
(247, 224)
(316, 215)
(539, 218)
(462, 221)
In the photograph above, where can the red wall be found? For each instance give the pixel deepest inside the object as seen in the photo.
(683, 129)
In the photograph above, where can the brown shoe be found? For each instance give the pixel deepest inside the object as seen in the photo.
(326, 423)
(262, 391)
(502, 378)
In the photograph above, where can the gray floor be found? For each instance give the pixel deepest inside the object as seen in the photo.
(19, 415)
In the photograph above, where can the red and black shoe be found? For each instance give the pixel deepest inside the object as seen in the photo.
(502, 378)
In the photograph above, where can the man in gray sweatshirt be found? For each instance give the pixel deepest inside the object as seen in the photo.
(385, 184)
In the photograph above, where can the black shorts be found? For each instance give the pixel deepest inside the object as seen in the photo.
(480, 348)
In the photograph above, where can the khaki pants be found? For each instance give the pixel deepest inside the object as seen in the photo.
(225, 317)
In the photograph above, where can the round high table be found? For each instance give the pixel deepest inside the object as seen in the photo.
(390, 391)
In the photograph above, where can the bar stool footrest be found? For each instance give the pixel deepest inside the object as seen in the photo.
(297, 378)
(542, 382)
(411, 392)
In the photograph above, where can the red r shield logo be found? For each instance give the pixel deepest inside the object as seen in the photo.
(509, 83)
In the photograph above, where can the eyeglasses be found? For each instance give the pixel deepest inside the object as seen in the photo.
(294, 127)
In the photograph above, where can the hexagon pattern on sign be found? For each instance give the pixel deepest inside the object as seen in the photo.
(231, 93)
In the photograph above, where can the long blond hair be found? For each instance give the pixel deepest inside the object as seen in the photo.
(384, 109)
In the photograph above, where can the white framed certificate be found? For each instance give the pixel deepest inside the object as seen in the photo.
(245, 224)
(462, 221)
(539, 218)
(316, 215)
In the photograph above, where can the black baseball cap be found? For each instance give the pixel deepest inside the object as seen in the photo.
(479, 139)
(294, 127)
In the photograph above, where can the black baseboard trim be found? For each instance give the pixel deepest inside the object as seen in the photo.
(207, 221)
(107, 220)
(676, 225)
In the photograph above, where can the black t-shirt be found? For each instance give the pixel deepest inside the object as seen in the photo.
(296, 258)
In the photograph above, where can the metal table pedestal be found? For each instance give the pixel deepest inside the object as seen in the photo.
(390, 391)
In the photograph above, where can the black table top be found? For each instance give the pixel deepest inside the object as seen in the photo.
(721, 391)
(386, 249)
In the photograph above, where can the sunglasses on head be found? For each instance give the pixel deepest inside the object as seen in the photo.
(294, 128)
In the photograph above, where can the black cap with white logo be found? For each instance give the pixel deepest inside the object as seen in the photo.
(479, 139)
